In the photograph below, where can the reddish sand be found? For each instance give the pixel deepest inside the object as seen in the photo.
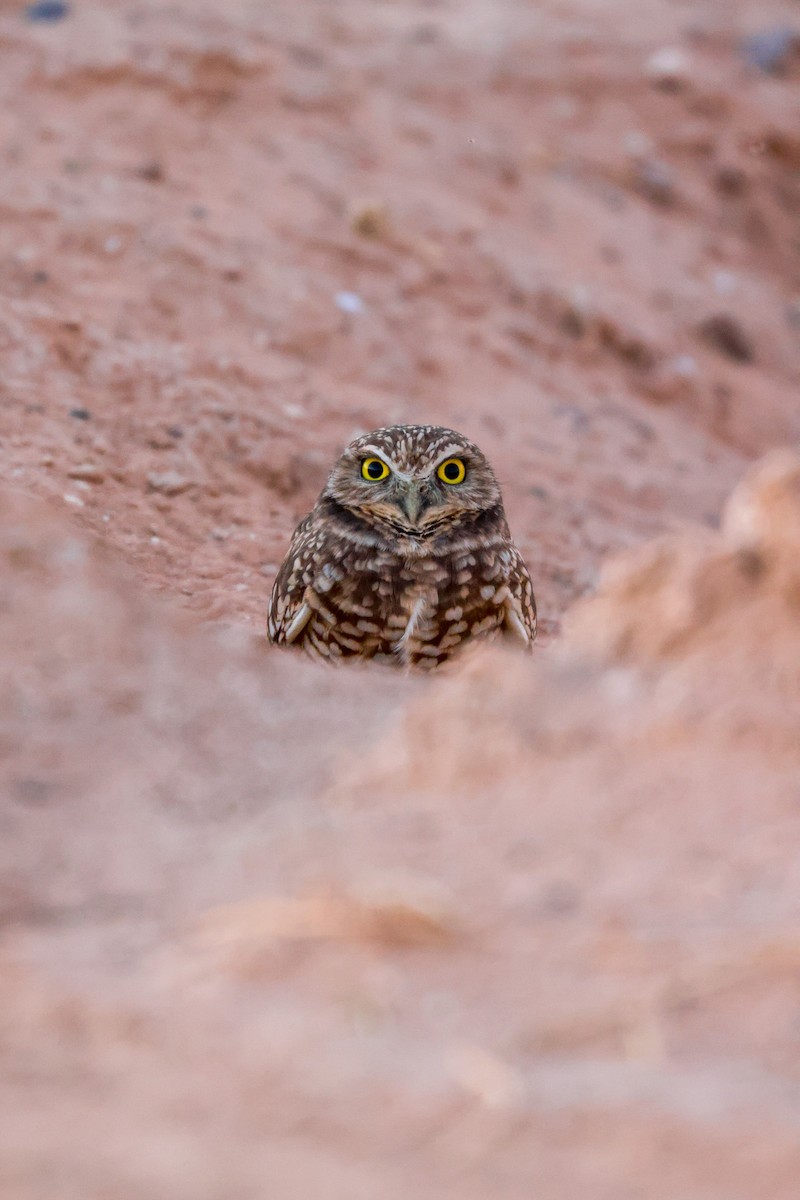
(528, 929)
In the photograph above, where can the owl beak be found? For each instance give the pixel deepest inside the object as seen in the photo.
(412, 503)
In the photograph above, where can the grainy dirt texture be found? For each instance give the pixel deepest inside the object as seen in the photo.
(526, 929)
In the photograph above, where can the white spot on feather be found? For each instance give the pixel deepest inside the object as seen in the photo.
(414, 621)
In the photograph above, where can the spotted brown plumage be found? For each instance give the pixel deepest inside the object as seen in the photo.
(405, 556)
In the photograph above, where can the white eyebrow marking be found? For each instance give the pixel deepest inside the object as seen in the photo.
(453, 450)
(376, 452)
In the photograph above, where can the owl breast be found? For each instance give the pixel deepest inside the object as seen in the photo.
(405, 556)
(408, 604)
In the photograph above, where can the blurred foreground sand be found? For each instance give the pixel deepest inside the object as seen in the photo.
(531, 921)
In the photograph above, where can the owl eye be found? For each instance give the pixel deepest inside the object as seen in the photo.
(452, 471)
(373, 469)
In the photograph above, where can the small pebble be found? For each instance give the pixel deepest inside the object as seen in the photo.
(370, 218)
(771, 50)
(724, 282)
(637, 144)
(87, 473)
(669, 68)
(72, 499)
(730, 180)
(152, 171)
(349, 302)
(80, 414)
(655, 181)
(684, 365)
(168, 483)
(724, 333)
(47, 11)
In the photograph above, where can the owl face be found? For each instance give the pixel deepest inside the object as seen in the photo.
(414, 479)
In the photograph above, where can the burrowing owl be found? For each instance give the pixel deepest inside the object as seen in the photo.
(405, 556)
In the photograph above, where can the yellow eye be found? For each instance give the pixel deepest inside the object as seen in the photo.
(452, 471)
(373, 469)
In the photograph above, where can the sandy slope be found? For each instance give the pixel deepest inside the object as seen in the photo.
(526, 929)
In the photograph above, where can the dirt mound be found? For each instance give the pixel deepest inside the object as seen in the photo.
(716, 614)
(122, 719)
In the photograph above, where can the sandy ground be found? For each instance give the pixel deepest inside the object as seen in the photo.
(526, 929)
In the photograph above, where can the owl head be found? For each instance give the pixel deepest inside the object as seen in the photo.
(414, 479)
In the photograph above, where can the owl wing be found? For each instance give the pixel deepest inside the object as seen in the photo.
(520, 605)
(289, 611)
